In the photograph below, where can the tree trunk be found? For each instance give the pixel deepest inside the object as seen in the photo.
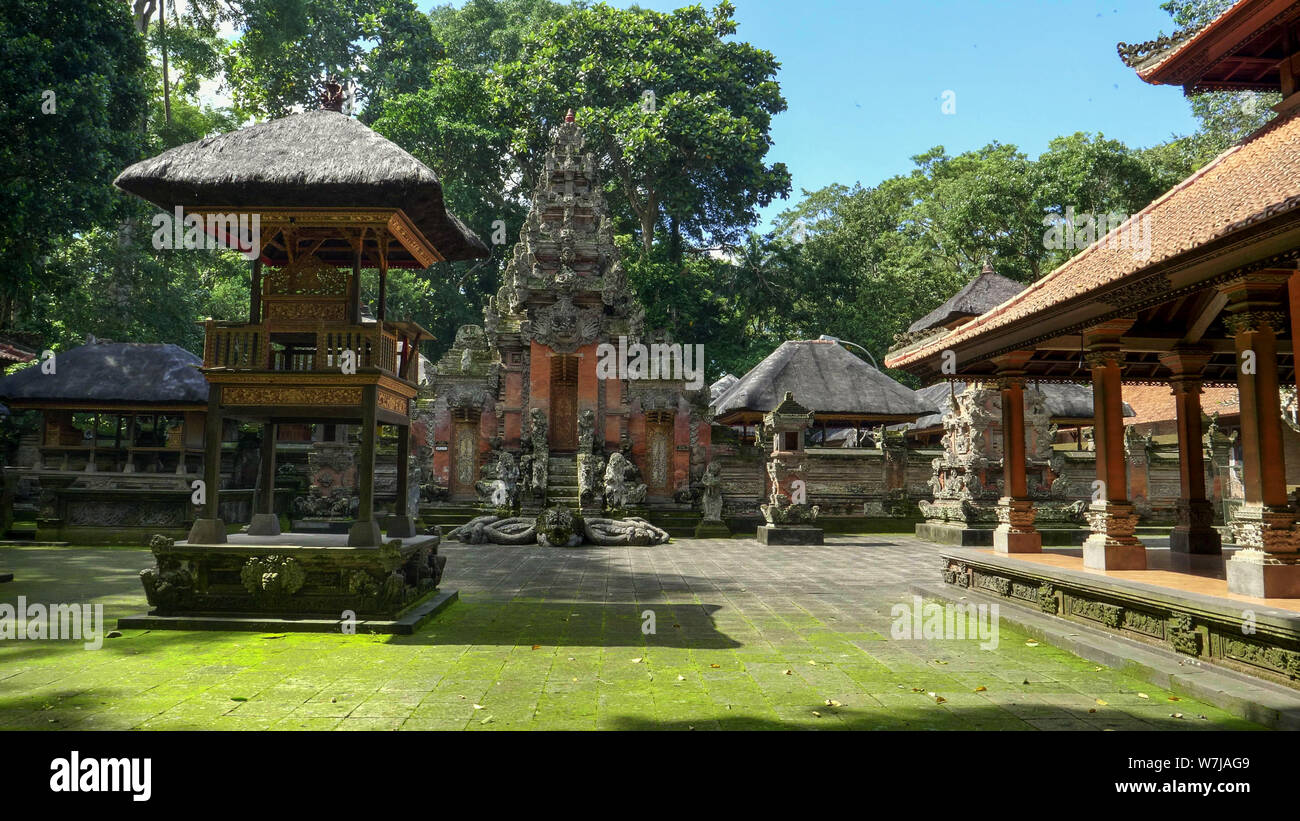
(162, 34)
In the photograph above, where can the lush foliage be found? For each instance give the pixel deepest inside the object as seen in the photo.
(472, 90)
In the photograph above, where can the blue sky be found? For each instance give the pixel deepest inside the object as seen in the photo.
(864, 79)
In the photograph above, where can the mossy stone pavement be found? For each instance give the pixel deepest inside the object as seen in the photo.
(746, 637)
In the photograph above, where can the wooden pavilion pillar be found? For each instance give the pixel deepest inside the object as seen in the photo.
(1015, 532)
(255, 294)
(265, 521)
(365, 532)
(1265, 523)
(401, 525)
(208, 528)
(1112, 545)
(1195, 531)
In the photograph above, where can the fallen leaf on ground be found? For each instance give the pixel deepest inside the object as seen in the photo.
(479, 707)
(636, 660)
(1031, 643)
(1102, 703)
(980, 688)
(1143, 695)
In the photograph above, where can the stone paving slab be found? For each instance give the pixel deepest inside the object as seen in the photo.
(745, 637)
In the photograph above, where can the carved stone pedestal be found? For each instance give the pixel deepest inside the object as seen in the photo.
(1016, 533)
(269, 584)
(1112, 545)
(207, 531)
(264, 524)
(399, 527)
(1195, 532)
(1253, 572)
(365, 534)
(712, 530)
(790, 534)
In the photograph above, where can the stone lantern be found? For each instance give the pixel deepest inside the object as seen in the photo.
(789, 517)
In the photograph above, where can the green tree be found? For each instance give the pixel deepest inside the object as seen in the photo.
(76, 70)
(692, 158)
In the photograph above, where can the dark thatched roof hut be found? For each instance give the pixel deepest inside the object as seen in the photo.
(981, 294)
(827, 379)
(1068, 403)
(112, 374)
(316, 159)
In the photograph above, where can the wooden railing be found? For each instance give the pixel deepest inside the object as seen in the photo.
(254, 347)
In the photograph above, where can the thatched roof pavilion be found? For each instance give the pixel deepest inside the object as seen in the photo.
(101, 375)
(985, 291)
(827, 379)
(317, 159)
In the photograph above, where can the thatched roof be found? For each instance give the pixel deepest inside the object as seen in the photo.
(114, 373)
(984, 292)
(825, 378)
(1065, 400)
(723, 385)
(316, 159)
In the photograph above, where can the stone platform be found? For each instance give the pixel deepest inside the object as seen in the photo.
(789, 534)
(1178, 603)
(292, 581)
(958, 535)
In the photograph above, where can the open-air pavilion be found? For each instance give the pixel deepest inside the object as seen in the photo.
(1199, 288)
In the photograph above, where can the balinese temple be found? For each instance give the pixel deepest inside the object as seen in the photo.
(854, 467)
(120, 440)
(333, 199)
(1216, 302)
(526, 385)
(1068, 405)
(965, 482)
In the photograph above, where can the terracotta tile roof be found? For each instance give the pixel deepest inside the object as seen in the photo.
(1146, 57)
(12, 354)
(1231, 52)
(1253, 180)
(1155, 403)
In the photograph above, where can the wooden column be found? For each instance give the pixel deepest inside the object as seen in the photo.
(255, 294)
(365, 533)
(383, 276)
(354, 301)
(208, 528)
(1112, 545)
(265, 522)
(1195, 531)
(267, 468)
(1265, 520)
(403, 470)
(1015, 532)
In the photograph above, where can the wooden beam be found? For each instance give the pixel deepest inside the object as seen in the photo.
(1202, 321)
